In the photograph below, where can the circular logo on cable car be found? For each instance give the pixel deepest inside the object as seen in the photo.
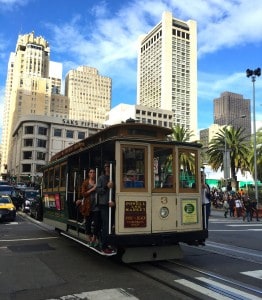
(189, 208)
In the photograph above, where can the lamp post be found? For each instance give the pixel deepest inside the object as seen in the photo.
(226, 169)
(253, 74)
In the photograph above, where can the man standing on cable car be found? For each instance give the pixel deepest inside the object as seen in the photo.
(104, 184)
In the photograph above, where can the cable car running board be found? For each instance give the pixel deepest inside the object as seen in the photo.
(87, 245)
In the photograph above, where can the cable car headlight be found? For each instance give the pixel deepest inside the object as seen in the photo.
(164, 212)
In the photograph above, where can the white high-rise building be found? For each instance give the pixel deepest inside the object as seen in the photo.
(167, 70)
(89, 94)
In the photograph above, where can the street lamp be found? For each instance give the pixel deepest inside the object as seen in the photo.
(226, 158)
(253, 74)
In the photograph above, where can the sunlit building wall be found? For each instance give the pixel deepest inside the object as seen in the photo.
(89, 94)
(167, 70)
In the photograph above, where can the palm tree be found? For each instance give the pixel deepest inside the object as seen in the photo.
(186, 159)
(259, 155)
(181, 134)
(239, 146)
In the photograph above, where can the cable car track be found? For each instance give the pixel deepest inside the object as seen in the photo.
(195, 283)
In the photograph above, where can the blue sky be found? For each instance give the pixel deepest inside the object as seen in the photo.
(103, 34)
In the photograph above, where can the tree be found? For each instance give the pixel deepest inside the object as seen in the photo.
(181, 134)
(239, 146)
(259, 155)
(186, 159)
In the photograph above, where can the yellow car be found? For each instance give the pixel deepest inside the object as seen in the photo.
(7, 208)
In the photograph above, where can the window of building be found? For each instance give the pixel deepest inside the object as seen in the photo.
(27, 154)
(26, 168)
(40, 155)
(38, 168)
(81, 135)
(42, 130)
(70, 134)
(57, 132)
(41, 143)
(28, 142)
(29, 129)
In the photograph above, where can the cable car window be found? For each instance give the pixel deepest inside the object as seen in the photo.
(163, 167)
(63, 175)
(133, 167)
(57, 176)
(187, 174)
(51, 178)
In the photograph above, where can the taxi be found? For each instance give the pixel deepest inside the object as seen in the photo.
(7, 209)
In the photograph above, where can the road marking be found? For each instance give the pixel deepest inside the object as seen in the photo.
(12, 223)
(257, 274)
(202, 290)
(108, 294)
(228, 288)
(31, 239)
(244, 225)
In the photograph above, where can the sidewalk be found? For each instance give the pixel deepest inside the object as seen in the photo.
(219, 213)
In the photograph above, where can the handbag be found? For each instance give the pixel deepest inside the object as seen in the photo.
(84, 206)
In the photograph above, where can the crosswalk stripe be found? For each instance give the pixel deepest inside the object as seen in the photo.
(202, 290)
(257, 274)
(108, 294)
(231, 289)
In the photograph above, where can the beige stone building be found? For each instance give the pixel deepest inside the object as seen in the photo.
(36, 138)
(167, 70)
(31, 79)
(89, 94)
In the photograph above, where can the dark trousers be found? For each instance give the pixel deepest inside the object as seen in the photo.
(206, 213)
(104, 213)
(94, 218)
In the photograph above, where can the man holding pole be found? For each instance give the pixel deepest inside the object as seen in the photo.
(104, 193)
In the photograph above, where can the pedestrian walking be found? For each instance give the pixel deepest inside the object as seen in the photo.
(238, 206)
(226, 207)
(254, 209)
(247, 206)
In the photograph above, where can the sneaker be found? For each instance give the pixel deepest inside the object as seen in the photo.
(107, 251)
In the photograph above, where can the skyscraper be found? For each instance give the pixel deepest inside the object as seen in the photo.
(31, 78)
(167, 70)
(89, 94)
(230, 108)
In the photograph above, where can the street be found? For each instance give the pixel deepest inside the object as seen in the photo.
(37, 263)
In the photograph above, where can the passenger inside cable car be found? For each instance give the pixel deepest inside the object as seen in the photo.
(131, 180)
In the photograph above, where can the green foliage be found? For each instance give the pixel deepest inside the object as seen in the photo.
(237, 143)
(181, 134)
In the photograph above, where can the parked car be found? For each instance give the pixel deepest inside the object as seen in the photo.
(21, 185)
(3, 182)
(36, 208)
(13, 193)
(7, 208)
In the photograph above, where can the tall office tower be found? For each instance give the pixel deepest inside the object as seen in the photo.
(28, 85)
(167, 70)
(89, 94)
(230, 109)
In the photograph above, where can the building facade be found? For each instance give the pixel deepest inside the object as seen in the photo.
(89, 94)
(167, 70)
(37, 138)
(29, 85)
(232, 109)
(141, 114)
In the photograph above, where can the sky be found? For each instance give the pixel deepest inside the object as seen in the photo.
(104, 34)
